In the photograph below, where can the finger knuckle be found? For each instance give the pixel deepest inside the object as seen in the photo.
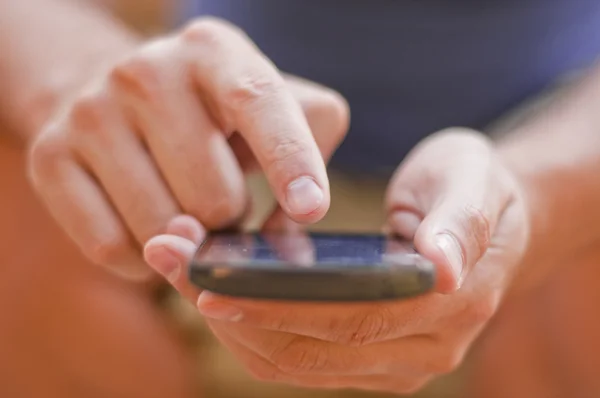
(207, 31)
(283, 152)
(45, 97)
(254, 90)
(140, 77)
(109, 250)
(299, 356)
(45, 154)
(366, 328)
(478, 226)
(88, 113)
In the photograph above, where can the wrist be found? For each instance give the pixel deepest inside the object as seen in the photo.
(538, 191)
(554, 154)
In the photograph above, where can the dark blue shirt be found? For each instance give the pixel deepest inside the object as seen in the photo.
(411, 67)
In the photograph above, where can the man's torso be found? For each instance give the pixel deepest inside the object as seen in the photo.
(410, 68)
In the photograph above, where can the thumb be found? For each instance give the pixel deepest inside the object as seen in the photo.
(169, 254)
(455, 186)
(457, 230)
(454, 236)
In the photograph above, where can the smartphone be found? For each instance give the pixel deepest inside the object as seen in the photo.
(310, 266)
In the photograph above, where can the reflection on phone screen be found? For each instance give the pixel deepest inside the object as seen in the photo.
(304, 250)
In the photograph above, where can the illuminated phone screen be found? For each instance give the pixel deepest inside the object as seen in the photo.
(304, 250)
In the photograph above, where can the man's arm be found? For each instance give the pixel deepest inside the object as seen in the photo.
(556, 155)
(48, 48)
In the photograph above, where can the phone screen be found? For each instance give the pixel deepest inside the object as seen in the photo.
(310, 266)
(304, 250)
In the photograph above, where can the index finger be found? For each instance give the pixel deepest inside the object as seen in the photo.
(248, 95)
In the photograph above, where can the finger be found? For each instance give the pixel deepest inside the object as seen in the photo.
(170, 255)
(190, 149)
(296, 249)
(404, 223)
(81, 208)
(187, 227)
(279, 222)
(119, 161)
(462, 196)
(328, 117)
(326, 111)
(356, 324)
(301, 355)
(251, 98)
(265, 370)
(244, 154)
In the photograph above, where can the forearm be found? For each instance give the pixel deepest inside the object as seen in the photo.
(556, 156)
(49, 48)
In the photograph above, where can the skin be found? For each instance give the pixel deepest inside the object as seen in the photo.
(37, 110)
(390, 346)
(218, 98)
(491, 215)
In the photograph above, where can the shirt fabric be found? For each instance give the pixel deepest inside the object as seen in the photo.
(411, 67)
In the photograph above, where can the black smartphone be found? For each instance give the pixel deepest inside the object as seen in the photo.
(311, 266)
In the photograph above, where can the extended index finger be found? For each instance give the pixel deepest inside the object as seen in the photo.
(247, 94)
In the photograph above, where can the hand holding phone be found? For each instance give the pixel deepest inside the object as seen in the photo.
(311, 267)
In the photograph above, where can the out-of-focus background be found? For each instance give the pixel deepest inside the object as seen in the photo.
(220, 375)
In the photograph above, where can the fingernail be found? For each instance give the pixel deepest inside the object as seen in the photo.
(304, 196)
(165, 263)
(451, 249)
(186, 227)
(218, 310)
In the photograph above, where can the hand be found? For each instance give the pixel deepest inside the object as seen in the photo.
(465, 212)
(170, 130)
